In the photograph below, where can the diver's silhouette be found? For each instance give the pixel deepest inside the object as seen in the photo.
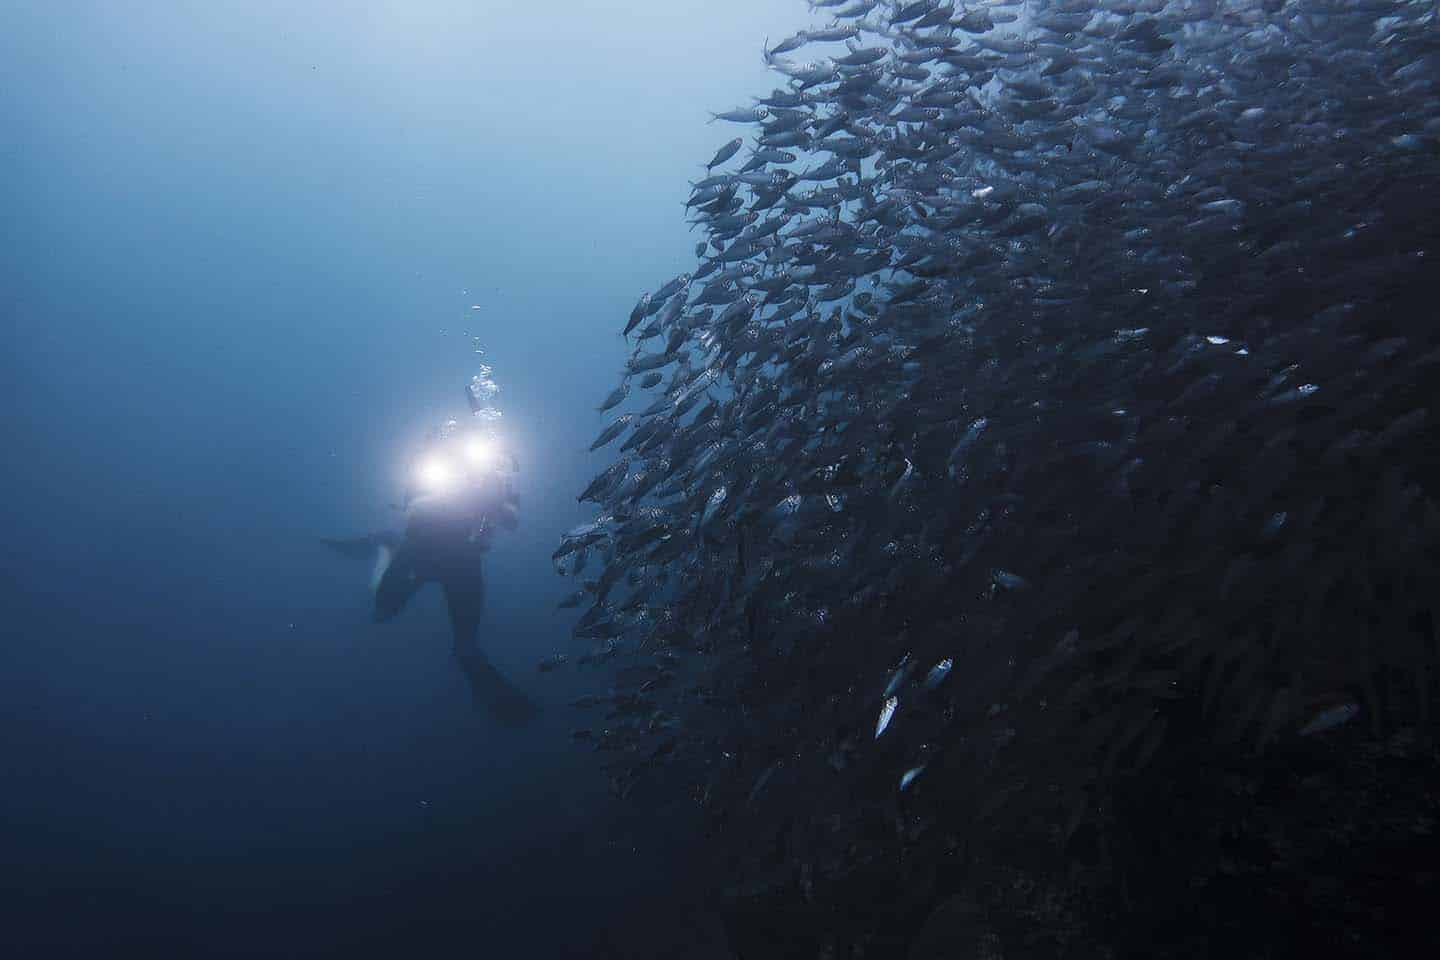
(449, 526)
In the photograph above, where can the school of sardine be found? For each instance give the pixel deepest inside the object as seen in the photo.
(1045, 366)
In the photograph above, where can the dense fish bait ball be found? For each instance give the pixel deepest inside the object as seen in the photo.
(1085, 349)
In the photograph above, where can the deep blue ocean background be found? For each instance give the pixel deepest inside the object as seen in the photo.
(243, 248)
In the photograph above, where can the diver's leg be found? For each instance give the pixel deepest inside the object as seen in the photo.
(465, 599)
(396, 581)
(488, 685)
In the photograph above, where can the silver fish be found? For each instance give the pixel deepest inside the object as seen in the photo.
(887, 712)
(725, 153)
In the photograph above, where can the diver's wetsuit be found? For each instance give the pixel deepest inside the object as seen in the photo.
(445, 540)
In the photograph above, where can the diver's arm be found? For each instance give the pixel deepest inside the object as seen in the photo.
(496, 505)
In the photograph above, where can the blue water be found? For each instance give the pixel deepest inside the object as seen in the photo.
(243, 244)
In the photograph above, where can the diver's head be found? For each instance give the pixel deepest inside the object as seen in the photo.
(460, 462)
(482, 454)
(436, 475)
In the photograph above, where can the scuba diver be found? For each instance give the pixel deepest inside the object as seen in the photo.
(465, 494)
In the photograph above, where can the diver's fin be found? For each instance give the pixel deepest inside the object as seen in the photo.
(392, 577)
(493, 693)
(396, 581)
(362, 548)
(384, 556)
(357, 547)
